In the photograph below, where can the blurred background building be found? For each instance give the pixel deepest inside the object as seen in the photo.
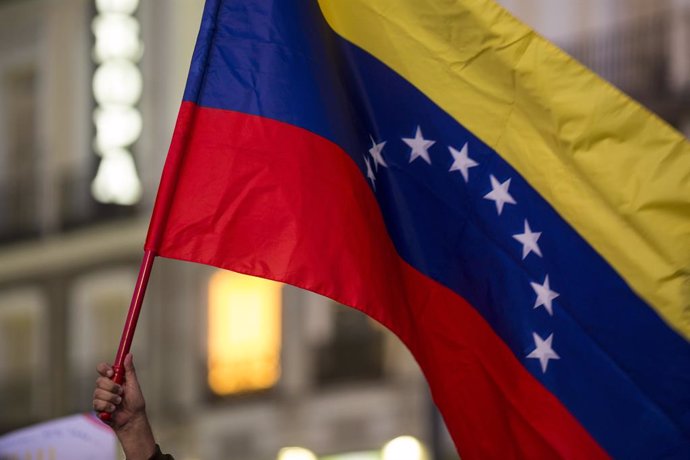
(231, 367)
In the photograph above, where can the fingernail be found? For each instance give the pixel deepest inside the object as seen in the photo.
(120, 390)
(118, 400)
(109, 373)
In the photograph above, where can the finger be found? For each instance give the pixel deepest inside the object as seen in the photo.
(105, 369)
(103, 406)
(106, 384)
(107, 396)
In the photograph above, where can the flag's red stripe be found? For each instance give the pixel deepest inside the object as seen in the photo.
(282, 203)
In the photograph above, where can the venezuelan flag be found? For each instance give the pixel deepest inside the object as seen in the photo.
(520, 224)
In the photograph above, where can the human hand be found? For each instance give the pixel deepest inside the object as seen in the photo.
(124, 402)
(127, 407)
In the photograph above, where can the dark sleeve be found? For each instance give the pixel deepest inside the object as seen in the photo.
(158, 455)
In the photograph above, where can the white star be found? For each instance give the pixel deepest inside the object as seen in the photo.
(370, 173)
(420, 146)
(375, 152)
(543, 351)
(544, 295)
(529, 241)
(499, 194)
(462, 162)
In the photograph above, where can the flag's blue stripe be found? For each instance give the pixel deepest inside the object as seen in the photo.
(275, 60)
(623, 373)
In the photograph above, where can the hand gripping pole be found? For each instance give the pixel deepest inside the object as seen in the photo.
(131, 322)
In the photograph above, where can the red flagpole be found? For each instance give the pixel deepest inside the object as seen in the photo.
(131, 322)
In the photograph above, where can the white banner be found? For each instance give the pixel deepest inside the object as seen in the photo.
(78, 437)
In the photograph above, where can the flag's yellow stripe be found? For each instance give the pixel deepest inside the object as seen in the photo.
(616, 173)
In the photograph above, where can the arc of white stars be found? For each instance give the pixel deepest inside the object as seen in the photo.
(462, 162)
(543, 351)
(419, 145)
(529, 241)
(370, 173)
(545, 295)
(376, 153)
(499, 194)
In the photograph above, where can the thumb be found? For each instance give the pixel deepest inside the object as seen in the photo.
(130, 373)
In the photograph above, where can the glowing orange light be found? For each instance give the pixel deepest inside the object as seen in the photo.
(243, 333)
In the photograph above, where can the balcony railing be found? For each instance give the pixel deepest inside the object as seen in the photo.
(16, 403)
(637, 57)
(634, 57)
(19, 216)
(28, 210)
(354, 353)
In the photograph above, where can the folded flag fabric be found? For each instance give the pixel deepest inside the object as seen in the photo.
(521, 225)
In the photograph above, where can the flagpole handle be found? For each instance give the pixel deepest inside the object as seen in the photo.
(131, 322)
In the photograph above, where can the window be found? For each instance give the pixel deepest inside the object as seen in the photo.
(98, 307)
(18, 174)
(22, 356)
(354, 350)
(244, 333)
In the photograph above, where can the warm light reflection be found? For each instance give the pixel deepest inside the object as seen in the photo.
(368, 455)
(116, 127)
(295, 453)
(117, 82)
(244, 333)
(117, 37)
(404, 448)
(117, 85)
(117, 6)
(116, 180)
